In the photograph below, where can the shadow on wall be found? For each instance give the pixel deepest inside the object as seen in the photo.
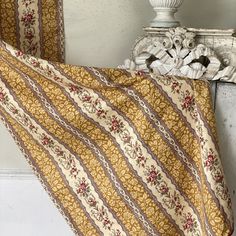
(208, 14)
(225, 117)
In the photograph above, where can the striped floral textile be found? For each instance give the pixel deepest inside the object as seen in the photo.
(34, 26)
(120, 153)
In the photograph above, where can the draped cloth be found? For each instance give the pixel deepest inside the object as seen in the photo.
(34, 26)
(119, 152)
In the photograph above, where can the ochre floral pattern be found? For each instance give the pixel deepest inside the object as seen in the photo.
(211, 160)
(190, 224)
(188, 103)
(66, 161)
(181, 215)
(23, 26)
(30, 44)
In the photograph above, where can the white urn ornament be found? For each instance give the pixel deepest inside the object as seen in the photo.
(165, 13)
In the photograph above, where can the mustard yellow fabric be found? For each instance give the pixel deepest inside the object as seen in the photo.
(119, 152)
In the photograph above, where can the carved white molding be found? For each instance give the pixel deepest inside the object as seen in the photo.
(189, 53)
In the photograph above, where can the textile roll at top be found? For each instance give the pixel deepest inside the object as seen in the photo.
(34, 26)
(120, 153)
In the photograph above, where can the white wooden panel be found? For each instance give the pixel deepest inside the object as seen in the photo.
(226, 123)
(26, 210)
(10, 155)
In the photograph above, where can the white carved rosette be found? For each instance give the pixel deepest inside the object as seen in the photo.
(165, 12)
(177, 54)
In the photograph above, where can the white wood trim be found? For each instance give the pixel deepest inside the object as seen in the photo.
(16, 174)
(198, 32)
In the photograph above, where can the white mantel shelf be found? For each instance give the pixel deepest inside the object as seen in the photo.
(199, 32)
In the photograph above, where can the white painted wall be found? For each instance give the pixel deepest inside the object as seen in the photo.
(26, 210)
(101, 33)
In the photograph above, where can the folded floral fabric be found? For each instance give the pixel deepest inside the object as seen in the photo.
(34, 26)
(120, 153)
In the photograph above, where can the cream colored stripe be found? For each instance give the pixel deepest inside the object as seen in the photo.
(208, 147)
(208, 144)
(29, 27)
(101, 215)
(176, 95)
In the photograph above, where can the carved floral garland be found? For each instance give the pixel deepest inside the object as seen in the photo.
(179, 55)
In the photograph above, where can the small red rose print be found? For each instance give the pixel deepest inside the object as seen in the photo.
(28, 17)
(33, 128)
(2, 96)
(83, 187)
(210, 160)
(29, 34)
(116, 125)
(188, 101)
(153, 176)
(87, 98)
(46, 141)
(74, 172)
(164, 189)
(177, 205)
(19, 53)
(74, 88)
(126, 137)
(190, 224)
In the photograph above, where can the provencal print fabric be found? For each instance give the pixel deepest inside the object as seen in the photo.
(34, 26)
(119, 153)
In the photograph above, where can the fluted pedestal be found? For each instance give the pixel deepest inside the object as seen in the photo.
(165, 13)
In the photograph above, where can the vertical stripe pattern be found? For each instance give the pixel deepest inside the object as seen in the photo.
(34, 26)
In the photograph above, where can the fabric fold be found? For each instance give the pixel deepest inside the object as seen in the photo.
(119, 152)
